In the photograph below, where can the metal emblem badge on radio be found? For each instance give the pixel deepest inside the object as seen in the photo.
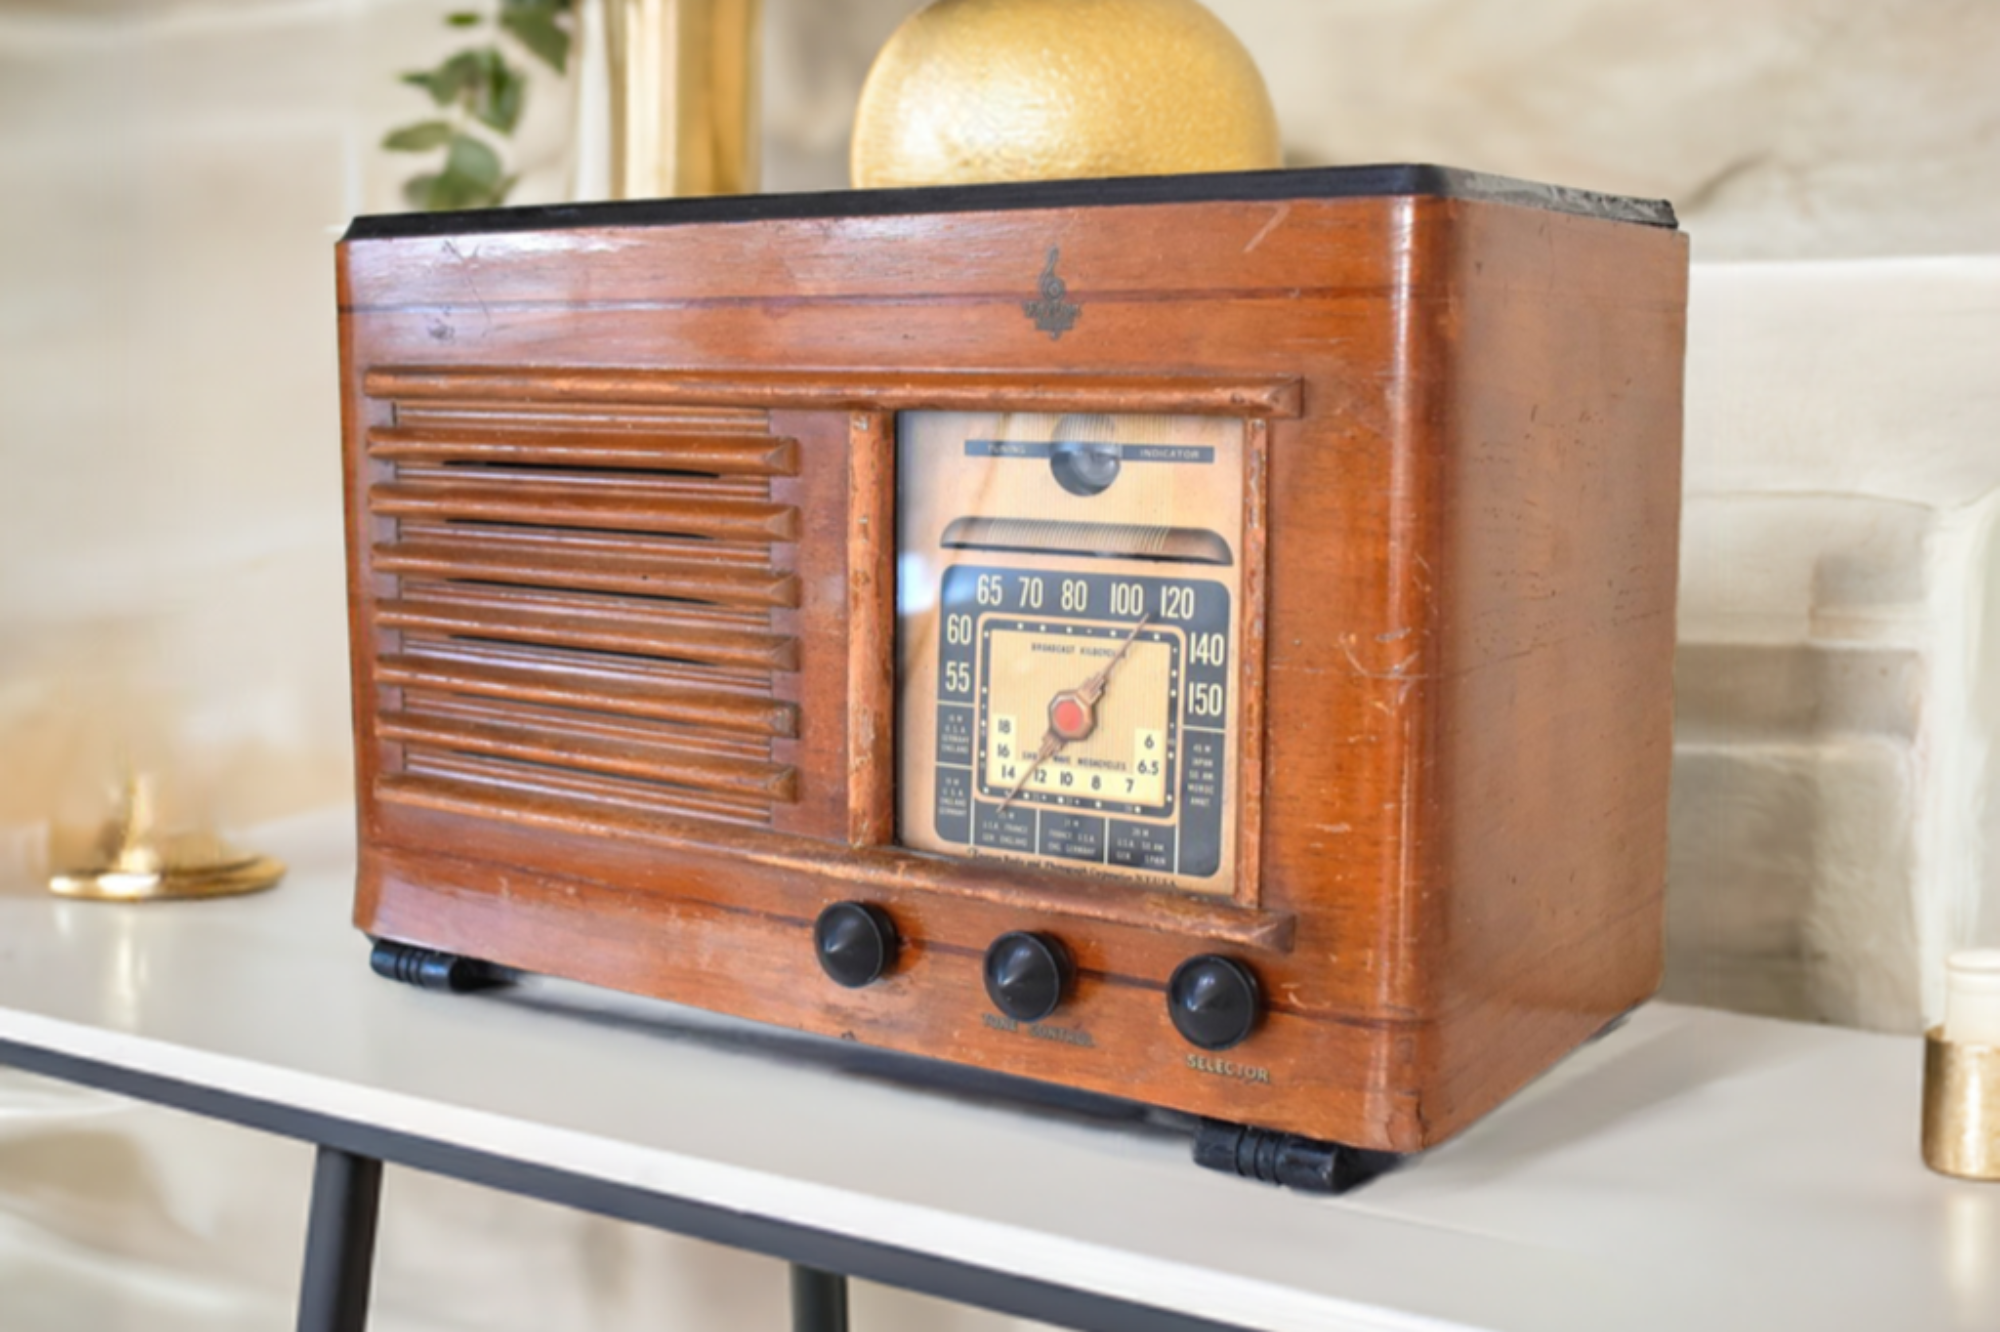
(1052, 314)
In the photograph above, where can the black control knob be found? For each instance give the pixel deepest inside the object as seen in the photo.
(1214, 1001)
(1026, 975)
(856, 943)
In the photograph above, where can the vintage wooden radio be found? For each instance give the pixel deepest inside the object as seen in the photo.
(1204, 639)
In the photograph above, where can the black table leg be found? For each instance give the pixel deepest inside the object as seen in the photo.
(819, 1300)
(340, 1242)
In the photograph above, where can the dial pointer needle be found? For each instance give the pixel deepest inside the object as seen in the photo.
(1051, 742)
(1093, 689)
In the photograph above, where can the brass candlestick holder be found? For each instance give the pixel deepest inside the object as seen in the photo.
(136, 862)
(1961, 1122)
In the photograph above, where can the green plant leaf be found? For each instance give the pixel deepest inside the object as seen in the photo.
(474, 161)
(422, 79)
(500, 100)
(448, 190)
(443, 83)
(465, 18)
(418, 138)
(470, 179)
(533, 24)
(417, 190)
(459, 79)
(451, 192)
(442, 92)
(482, 82)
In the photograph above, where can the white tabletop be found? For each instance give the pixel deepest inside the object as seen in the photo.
(1693, 1170)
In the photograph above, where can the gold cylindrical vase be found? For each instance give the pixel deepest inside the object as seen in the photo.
(684, 96)
(1961, 1107)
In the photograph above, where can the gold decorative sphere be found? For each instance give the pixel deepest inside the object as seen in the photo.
(984, 90)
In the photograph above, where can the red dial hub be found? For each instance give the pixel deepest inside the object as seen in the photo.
(1070, 718)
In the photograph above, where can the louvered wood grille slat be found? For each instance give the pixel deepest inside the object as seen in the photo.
(591, 446)
(583, 606)
(511, 615)
(547, 502)
(490, 558)
(569, 721)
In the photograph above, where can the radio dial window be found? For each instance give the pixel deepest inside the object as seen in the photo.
(1069, 592)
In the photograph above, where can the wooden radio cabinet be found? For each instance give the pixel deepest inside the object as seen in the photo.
(1206, 640)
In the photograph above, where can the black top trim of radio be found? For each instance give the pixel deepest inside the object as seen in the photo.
(1247, 186)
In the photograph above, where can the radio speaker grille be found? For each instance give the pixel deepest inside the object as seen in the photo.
(583, 604)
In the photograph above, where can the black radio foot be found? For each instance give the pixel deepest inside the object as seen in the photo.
(1305, 1164)
(428, 969)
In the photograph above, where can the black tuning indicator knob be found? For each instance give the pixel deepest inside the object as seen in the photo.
(856, 943)
(1214, 1001)
(1026, 975)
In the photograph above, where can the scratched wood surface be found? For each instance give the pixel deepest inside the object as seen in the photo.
(1472, 420)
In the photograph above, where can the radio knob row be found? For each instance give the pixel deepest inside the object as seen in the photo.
(1214, 1001)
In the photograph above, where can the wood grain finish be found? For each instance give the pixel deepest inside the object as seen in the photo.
(619, 503)
(899, 389)
(871, 629)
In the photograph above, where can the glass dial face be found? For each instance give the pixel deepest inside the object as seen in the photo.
(1068, 590)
